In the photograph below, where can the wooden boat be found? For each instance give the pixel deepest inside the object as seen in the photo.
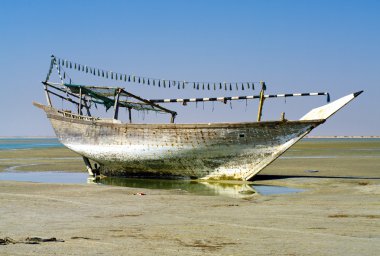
(235, 151)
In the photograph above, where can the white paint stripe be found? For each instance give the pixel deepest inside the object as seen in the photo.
(166, 100)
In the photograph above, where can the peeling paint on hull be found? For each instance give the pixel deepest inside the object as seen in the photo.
(209, 151)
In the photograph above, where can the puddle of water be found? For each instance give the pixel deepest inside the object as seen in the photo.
(190, 186)
(275, 190)
(46, 177)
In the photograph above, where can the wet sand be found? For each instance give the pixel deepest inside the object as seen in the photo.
(338, 214)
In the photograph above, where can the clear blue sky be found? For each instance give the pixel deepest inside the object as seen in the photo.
(295, 46)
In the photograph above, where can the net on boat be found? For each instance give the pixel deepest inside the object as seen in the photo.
(107, 96)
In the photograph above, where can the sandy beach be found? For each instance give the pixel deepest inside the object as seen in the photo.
(337, 214)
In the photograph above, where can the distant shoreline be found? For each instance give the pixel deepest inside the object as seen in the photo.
(28, 137)
(343, 137)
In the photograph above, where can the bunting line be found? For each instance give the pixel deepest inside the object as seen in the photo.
(164, 83)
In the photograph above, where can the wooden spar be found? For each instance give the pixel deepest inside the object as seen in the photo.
(261, 102)
(47, 95)
(153, 104)
(225, 99)
(116, 107)
(64, 98)
(52, 85)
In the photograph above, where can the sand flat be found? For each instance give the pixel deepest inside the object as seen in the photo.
(337, 214)
(335, 217)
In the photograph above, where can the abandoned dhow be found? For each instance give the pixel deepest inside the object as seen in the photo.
(236, 151)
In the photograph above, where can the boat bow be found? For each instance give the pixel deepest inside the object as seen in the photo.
(328, 110)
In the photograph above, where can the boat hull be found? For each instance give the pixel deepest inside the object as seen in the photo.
(210, 151)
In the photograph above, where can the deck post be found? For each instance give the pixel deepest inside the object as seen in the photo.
(261, 102)
(80, 101)
(116, 107)
(173, 118)
(130, 115)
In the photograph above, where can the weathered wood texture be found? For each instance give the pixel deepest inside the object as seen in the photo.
(217, 150)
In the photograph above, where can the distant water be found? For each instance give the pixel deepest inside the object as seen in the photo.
(28, 143)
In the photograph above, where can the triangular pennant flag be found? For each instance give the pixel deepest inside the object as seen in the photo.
(129, 78)
(248, 85)
(148, 82)
(134, 79)
(102, 73)
(71, 65)
(225, 86)
(67, 64)
(154, 82)
(111, 75)
(214, 86)
(203, 86)
(64, 75)
(86, 69)
(208, 86)
(82, 68)
(125, 78)
(159, 83)
(169, 83)
(197, 86)
(98, 72)
(139, 80)
(116, 76)
(253, 86)
(75, 66)
(143, 80)
(183, 85)
(230, 87)
(220, 86)
(164, 84)
(107, 74)
(193, 85)
(242, 86)
(237, 87)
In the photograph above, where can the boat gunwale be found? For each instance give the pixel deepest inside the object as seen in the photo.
(56, 114)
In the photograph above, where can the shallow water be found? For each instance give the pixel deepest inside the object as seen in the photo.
(187, 186)
(28, 143)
